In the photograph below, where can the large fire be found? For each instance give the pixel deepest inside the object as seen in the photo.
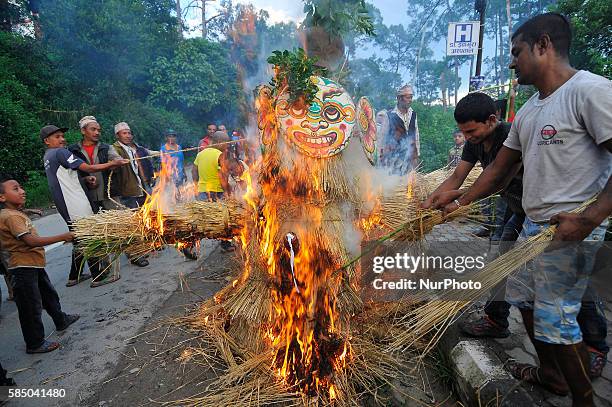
(303, 330)
(291, 242)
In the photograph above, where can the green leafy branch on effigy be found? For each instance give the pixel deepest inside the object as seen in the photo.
(293, 70)
(339, 17)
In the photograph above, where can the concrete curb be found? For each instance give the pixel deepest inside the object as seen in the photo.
(479, 374)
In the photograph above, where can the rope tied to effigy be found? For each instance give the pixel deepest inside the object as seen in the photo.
(159, 154)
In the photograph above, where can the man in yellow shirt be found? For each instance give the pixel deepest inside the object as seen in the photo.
(210, 169)
(210, 172)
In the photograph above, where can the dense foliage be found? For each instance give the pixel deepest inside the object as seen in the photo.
(199, 79)
(128, 60)
(592, 24)
(436, 127)
(293, 70)
(338, 17)
(25, 82)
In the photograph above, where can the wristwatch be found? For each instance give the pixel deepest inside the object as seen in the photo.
(456, 202)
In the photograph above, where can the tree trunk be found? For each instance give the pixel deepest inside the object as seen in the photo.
(416, 70)
(443, 89)
(502, 66)
(497, 23)
(204, 32)
(179, 16)
(509, 16)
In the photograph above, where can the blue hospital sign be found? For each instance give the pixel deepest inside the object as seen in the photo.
(462, 38)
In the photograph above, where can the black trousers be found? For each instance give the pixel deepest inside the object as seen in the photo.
(33, 292)
(96, 265)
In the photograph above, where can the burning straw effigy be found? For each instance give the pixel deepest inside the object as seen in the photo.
(292, 328)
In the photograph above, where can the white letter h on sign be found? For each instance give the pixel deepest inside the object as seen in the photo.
(463, 33)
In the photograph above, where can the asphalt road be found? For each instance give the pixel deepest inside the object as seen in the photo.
(110, 315)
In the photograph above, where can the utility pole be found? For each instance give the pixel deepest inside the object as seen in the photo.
(480, 6)
(456, 78)
(179, 16)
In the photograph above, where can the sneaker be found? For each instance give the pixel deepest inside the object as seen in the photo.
(44, 348)
(597, 362)
(483, 327)
(68, 320)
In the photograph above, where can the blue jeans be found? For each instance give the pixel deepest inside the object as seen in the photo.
(496, 308)
(210, 196)
(499, 219)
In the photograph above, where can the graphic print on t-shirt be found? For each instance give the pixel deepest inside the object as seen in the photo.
(67, 192)
(547, 134)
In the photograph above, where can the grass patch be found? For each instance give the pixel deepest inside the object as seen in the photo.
(37, 190)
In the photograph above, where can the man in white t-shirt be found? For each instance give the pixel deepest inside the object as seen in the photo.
(564, 136)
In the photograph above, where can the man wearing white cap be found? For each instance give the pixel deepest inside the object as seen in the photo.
(92, 151)
(408, 116)
(127, 184)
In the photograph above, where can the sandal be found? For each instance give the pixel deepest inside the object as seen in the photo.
(44, 348)
(104, 281)
(68, 320)
(483, 327)
(525, 372)
(597, 362)
(82, 277)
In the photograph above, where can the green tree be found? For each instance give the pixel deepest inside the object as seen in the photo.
(592, 29)
(200, 80)
(25, 80)
(436, 126)
(368, 78)
(106, 47)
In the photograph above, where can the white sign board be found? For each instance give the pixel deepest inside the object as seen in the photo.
(462, 38)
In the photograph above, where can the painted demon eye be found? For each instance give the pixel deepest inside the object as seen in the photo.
(332, 114)
(297, 111)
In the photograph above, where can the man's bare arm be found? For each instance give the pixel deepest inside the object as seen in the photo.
(224, 174)
(438, 199)
(194, 173)
(91, 168)
(492, 179)
(455, 180)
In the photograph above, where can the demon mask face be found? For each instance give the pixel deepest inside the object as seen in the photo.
(265, 114)
(322, 129)
(367, 128)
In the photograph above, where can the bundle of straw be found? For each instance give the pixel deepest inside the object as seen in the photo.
(401, 209)
(434, 317)
(116, 231)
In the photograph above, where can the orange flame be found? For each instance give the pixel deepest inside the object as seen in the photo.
(164, 197)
